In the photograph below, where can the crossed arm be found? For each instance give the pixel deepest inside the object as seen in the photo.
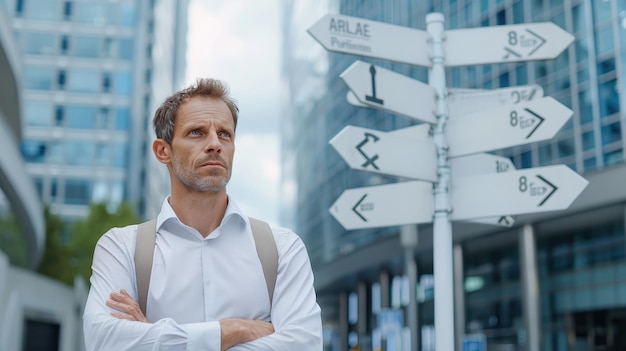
(234, 331)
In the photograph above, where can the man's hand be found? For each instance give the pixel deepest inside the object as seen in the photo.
(129, 309)
(238, 331)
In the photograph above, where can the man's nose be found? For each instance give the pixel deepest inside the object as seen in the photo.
(213, 143)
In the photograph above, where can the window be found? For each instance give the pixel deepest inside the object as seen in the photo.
(611, 133)
(123, 83)
(38, 114)
(582, 50)
(604, 40)
(59, 116)
(122, 119)
(588, 140)
(126, 49)
(49, 10)
(123, 12)
(545, 154)
(90, 13)
(120, 155)
(88, 47)
(521, 73)
(606, 66)
(578, 15)
(585, 109)
(601, 11)
(609, 98)
(77, 192)
(37, 43)
(518, 12)
(81, 116)
(84, 81)
(590, 164)
(38, 77)
(106, 82)
(79, 152)
(566, 147)
(614, 157)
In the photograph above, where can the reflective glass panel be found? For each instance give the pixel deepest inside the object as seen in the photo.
(43, 10)
(77, 192)
(90, 13)
(609, 98)
(81, 116)
(611, 133)
(123, 83)
(38, 113)
(585, 108)
(122, 119)
(79, 152)
(84, 81)
(38, 77)
(604, 41)
(88, 47)
(38, 43)
(34, 151)
(120, 154)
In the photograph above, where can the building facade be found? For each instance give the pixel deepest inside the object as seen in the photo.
(36, 313)
(90, 70)
(553, 281)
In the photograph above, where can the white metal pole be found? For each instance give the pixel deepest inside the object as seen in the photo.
(442, 229)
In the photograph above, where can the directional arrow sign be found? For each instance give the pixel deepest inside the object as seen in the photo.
(506, 126)
(384, 205)
(511, 43)
(516, 192)
(379, 87)
(465, 101)
(483, 164)
(380, 152)
(358, 36)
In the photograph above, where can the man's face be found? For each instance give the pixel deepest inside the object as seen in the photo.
(203, 145)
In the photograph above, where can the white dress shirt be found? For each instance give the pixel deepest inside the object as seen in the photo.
(198, 281)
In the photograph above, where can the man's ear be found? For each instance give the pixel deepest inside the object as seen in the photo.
(162, 150)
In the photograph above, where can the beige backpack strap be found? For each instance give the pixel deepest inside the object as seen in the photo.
(144, 253)
(268, 254)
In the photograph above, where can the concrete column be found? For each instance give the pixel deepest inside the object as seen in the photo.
(530, 287)
(384, 290)
(408, 238)
(459, 296)
(361, 326)
(343, 320)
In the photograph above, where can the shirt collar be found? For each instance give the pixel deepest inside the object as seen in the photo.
(233, 213)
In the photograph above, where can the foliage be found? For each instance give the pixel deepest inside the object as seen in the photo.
(73, 256)
(12, 241)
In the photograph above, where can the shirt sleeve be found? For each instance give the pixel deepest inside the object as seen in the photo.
(112, 270)
(295, 314)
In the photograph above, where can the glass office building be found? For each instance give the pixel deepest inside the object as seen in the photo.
(88, 69)
(552, 281)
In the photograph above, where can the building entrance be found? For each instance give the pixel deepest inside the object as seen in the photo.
(603, 330)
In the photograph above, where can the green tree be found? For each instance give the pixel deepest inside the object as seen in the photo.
(54, 262)
(76, 253)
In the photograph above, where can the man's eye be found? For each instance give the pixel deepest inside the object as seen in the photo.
(195, 132)
(225, 134)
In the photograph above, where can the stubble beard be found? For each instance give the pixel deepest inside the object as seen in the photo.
(212, 183)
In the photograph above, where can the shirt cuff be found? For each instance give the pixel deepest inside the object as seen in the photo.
(203, 336)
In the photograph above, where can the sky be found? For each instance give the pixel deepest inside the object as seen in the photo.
(239, 43)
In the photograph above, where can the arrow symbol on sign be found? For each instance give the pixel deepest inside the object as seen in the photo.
(356, 207)
(541, 119)
(554, 189)
(373, 97)
(504, 220)
(369, 161)
(522, 41)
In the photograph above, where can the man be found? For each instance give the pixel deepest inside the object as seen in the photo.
(207, 289)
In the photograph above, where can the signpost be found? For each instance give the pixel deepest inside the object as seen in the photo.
(358, 36)
(379, 152)
(511, 43)
(379, 87)
(384, 205)
(456, 181)
(463, 101)
(506, 126)
(522, 191)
